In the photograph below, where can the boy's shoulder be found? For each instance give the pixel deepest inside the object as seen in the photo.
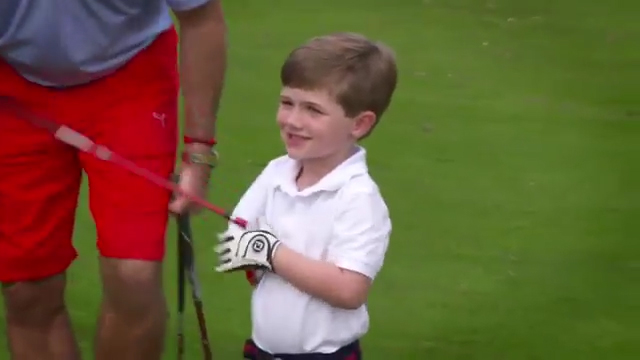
(363, 191)
(361, 183)
(277, 166)
(280, 162)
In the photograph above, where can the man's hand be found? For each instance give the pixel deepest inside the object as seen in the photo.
(194, 179)
(239, 249)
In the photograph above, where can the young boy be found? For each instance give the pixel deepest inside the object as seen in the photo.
(321, 227)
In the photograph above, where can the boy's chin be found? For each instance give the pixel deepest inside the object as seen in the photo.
(297, 153)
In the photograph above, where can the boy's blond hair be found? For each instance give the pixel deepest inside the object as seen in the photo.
(361, 74)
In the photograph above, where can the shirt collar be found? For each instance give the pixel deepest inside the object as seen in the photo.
(355, 165)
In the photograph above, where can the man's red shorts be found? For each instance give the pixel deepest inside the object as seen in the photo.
(134, 112)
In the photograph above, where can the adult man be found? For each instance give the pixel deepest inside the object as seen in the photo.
(107, 68)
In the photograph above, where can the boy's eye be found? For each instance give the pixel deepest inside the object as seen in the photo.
(286, 102)
(314, 110)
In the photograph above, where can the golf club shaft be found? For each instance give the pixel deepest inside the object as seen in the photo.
(181, 286)
(204, 334)
(187, 269)
(73, 138)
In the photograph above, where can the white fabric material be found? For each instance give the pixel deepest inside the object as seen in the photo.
(342, 219)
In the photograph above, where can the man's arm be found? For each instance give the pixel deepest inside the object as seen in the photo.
(203, 58)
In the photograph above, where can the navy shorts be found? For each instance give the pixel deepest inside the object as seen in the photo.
(349, 352)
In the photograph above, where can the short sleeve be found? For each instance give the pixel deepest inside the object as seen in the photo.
(361, 234)
(184, 5)
(253, 202)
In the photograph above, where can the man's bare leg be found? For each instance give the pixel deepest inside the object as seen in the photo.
(133, 312)
(38, 325)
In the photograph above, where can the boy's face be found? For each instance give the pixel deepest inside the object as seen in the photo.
(313, 126)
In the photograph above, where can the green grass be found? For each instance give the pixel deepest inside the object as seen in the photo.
(510, 159)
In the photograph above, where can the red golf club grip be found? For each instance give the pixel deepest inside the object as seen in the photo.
(98, 151)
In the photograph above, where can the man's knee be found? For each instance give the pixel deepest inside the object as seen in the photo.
(34, 303)
(132, 286)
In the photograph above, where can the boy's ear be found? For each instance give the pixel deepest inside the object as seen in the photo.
(363, 124)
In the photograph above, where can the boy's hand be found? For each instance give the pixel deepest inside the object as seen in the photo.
(240, 249)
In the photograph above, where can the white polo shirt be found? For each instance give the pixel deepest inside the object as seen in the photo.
(342, 219)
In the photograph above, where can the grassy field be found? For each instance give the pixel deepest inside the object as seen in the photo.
(510, 159)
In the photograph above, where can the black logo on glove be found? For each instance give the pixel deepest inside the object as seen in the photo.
(258, 243)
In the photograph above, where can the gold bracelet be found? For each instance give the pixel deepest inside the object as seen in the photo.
(210, 159)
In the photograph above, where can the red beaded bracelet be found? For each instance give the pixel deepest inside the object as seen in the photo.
(192, 140)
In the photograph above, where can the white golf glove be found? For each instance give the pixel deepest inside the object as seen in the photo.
(240, 249)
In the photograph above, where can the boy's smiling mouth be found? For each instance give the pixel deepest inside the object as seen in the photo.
(295, 139)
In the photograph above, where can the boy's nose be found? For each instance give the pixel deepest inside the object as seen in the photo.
(293, 120)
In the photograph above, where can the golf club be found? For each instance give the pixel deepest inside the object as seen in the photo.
(83, 143)
(186, 268)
